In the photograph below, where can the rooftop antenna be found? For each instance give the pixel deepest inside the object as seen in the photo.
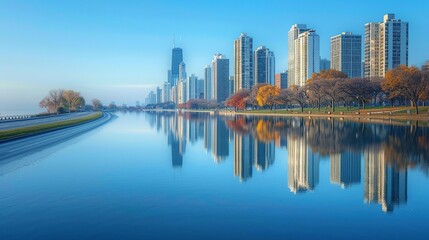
(174, 41)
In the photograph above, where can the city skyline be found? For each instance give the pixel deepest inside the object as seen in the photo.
(124, 64)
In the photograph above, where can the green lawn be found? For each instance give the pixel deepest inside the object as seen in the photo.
(27, 131)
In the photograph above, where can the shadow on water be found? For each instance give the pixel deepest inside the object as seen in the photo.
(388, 151)
(23, 152)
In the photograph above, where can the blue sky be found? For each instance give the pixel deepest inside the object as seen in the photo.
(120, 50)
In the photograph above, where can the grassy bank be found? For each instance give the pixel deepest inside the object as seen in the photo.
(42, 128)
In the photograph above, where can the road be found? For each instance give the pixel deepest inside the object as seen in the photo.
(25, 146)
(37, 121)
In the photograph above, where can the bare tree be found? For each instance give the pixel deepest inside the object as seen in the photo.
(298, 95)
(96, 103)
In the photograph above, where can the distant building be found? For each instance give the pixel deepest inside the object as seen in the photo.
(425, 67)
(220, 77)
(208, 86)
(386, 46)
(182, 71)
(281, 80)
(181, 92)
(264, 66)
(151, 98)
(192, 87)
(231, 86)
(200, 89)
(166, 92)
(325, 64)
(158, 95)
(243, 63)
(346, 54)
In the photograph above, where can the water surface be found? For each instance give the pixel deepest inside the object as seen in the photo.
(196, 176)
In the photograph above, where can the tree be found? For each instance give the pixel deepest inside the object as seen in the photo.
(284, 97)
(333, 88)
(96, 103)
(267, 95)
(53, 101)
(298, 95)
(359, 88)
(315, 91)
(71, 97)
(328, 74)
(254, 93)
(238, 100)
(408, 82)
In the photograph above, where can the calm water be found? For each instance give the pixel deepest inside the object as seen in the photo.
(192, 176)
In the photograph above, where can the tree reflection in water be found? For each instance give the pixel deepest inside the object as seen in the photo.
(388, 151)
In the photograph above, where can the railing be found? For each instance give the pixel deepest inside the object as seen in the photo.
(16, 117)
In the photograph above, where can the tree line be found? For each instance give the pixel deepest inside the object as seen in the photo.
(332, 88)
(61, 101)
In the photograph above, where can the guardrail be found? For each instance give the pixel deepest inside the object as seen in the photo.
(17, 117)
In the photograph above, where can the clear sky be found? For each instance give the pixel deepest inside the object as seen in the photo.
(120, 50)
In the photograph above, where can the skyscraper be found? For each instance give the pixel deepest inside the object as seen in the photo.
(231, 86)
(386, 46)
(208, 89)
(200, 89)
(306, 57)
(166, 92)
(293, 34)
(220, 77)
(177, 58)
(182, 71)
(243, 62)
(281, 80)
(192, 87)
(158, 95)
(264, 66)
(346, 54)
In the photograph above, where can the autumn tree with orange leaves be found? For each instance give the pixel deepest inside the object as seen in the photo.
(408, 82)
(238, 100)
(268, 96)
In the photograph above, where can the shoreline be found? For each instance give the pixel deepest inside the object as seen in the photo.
(24, 132)
(367, 115)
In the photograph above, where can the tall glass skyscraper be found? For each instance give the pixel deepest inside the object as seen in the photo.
(243, 62)
(346, 54)
(177, 58)
(264, 66)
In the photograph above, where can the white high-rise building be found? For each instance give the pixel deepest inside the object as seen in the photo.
(293, 34)
(264, 66)
(386, 46)
(208, 86)
(181, 92)
(243, 62)
(346, 54)
(306, 57)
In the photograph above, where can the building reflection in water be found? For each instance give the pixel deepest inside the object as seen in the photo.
(303, 166)
(384, 184)
(307, 140)
(345, 168)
